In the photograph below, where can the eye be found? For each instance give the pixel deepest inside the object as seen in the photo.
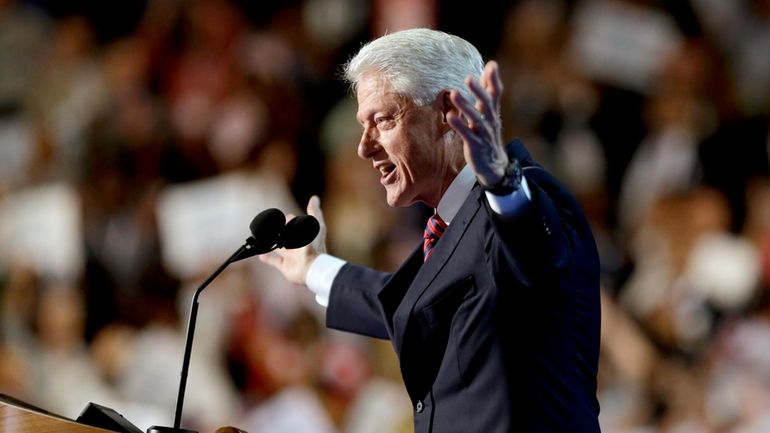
(384, 122)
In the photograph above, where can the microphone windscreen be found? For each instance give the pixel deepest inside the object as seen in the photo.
(299, 232)
(265, 228)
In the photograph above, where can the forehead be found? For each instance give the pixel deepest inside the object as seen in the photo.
(374, 94)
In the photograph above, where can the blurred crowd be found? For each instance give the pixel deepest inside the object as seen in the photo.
(138, 138)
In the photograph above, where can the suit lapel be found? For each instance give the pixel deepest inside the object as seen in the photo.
(393, 292)
(427, 272)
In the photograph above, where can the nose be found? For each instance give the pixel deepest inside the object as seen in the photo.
(367, 146)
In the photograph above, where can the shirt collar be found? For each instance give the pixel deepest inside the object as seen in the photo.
(455, 195)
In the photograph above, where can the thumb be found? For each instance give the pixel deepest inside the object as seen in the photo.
(314, 208)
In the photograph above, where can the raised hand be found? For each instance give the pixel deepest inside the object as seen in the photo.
(294, 263)
(480, 127)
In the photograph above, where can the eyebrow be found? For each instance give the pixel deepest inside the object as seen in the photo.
(368, 114)
(400, 109)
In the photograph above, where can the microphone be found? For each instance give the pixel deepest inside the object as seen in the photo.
(266, 228)
(269, 231)
(298, 232)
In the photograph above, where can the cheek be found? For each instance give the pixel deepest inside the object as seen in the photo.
(397, 147)
(422, 155)
(410, 161)
(413, 150)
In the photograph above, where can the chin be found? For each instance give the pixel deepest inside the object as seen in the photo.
(393, 202)
(396, 199)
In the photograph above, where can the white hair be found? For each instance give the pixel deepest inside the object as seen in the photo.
(417, 63)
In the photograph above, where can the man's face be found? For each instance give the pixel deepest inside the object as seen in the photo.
(404, 143)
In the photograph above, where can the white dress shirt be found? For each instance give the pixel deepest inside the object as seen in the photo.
(325, 267)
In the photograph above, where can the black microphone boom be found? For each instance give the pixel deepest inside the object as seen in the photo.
(266, 229)
(242, 252)
(269, 230)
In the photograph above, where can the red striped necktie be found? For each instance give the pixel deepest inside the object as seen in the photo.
(433, 231)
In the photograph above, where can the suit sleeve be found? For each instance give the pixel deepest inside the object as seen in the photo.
(549, 234)
(353, 304)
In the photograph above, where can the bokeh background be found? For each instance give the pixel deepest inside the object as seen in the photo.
(138, 139)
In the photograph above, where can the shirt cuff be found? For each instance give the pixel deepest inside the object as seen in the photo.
(512, 204)
(320, 276)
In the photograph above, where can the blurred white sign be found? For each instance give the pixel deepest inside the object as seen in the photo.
(41, 227)
(202, 223)
(622, 43)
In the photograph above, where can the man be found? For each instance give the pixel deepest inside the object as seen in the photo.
(496, 323)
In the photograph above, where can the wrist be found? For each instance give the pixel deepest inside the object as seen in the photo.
(509, 182)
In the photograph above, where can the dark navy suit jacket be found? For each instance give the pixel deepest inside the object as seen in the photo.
(499, 330)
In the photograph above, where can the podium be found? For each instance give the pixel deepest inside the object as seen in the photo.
(19, 417)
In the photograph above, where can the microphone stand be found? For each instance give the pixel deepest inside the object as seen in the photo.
(269, 231)
(243, 252)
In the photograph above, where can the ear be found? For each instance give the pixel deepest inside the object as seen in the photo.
(445, 106)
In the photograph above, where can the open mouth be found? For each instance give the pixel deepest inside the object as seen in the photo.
(386, 173)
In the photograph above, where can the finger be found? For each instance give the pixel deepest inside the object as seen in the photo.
(475, 87)
(465, 107)
(486, 74)
(484, 102)
(495, 83)
(484, 77)
(475, 151)
(466, 133)
(455, 120)
(490, 86)
(459, 126)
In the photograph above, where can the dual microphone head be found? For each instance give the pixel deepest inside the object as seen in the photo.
(270, 231)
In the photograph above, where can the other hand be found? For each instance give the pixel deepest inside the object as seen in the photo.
(295, 263)
(480, 126)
